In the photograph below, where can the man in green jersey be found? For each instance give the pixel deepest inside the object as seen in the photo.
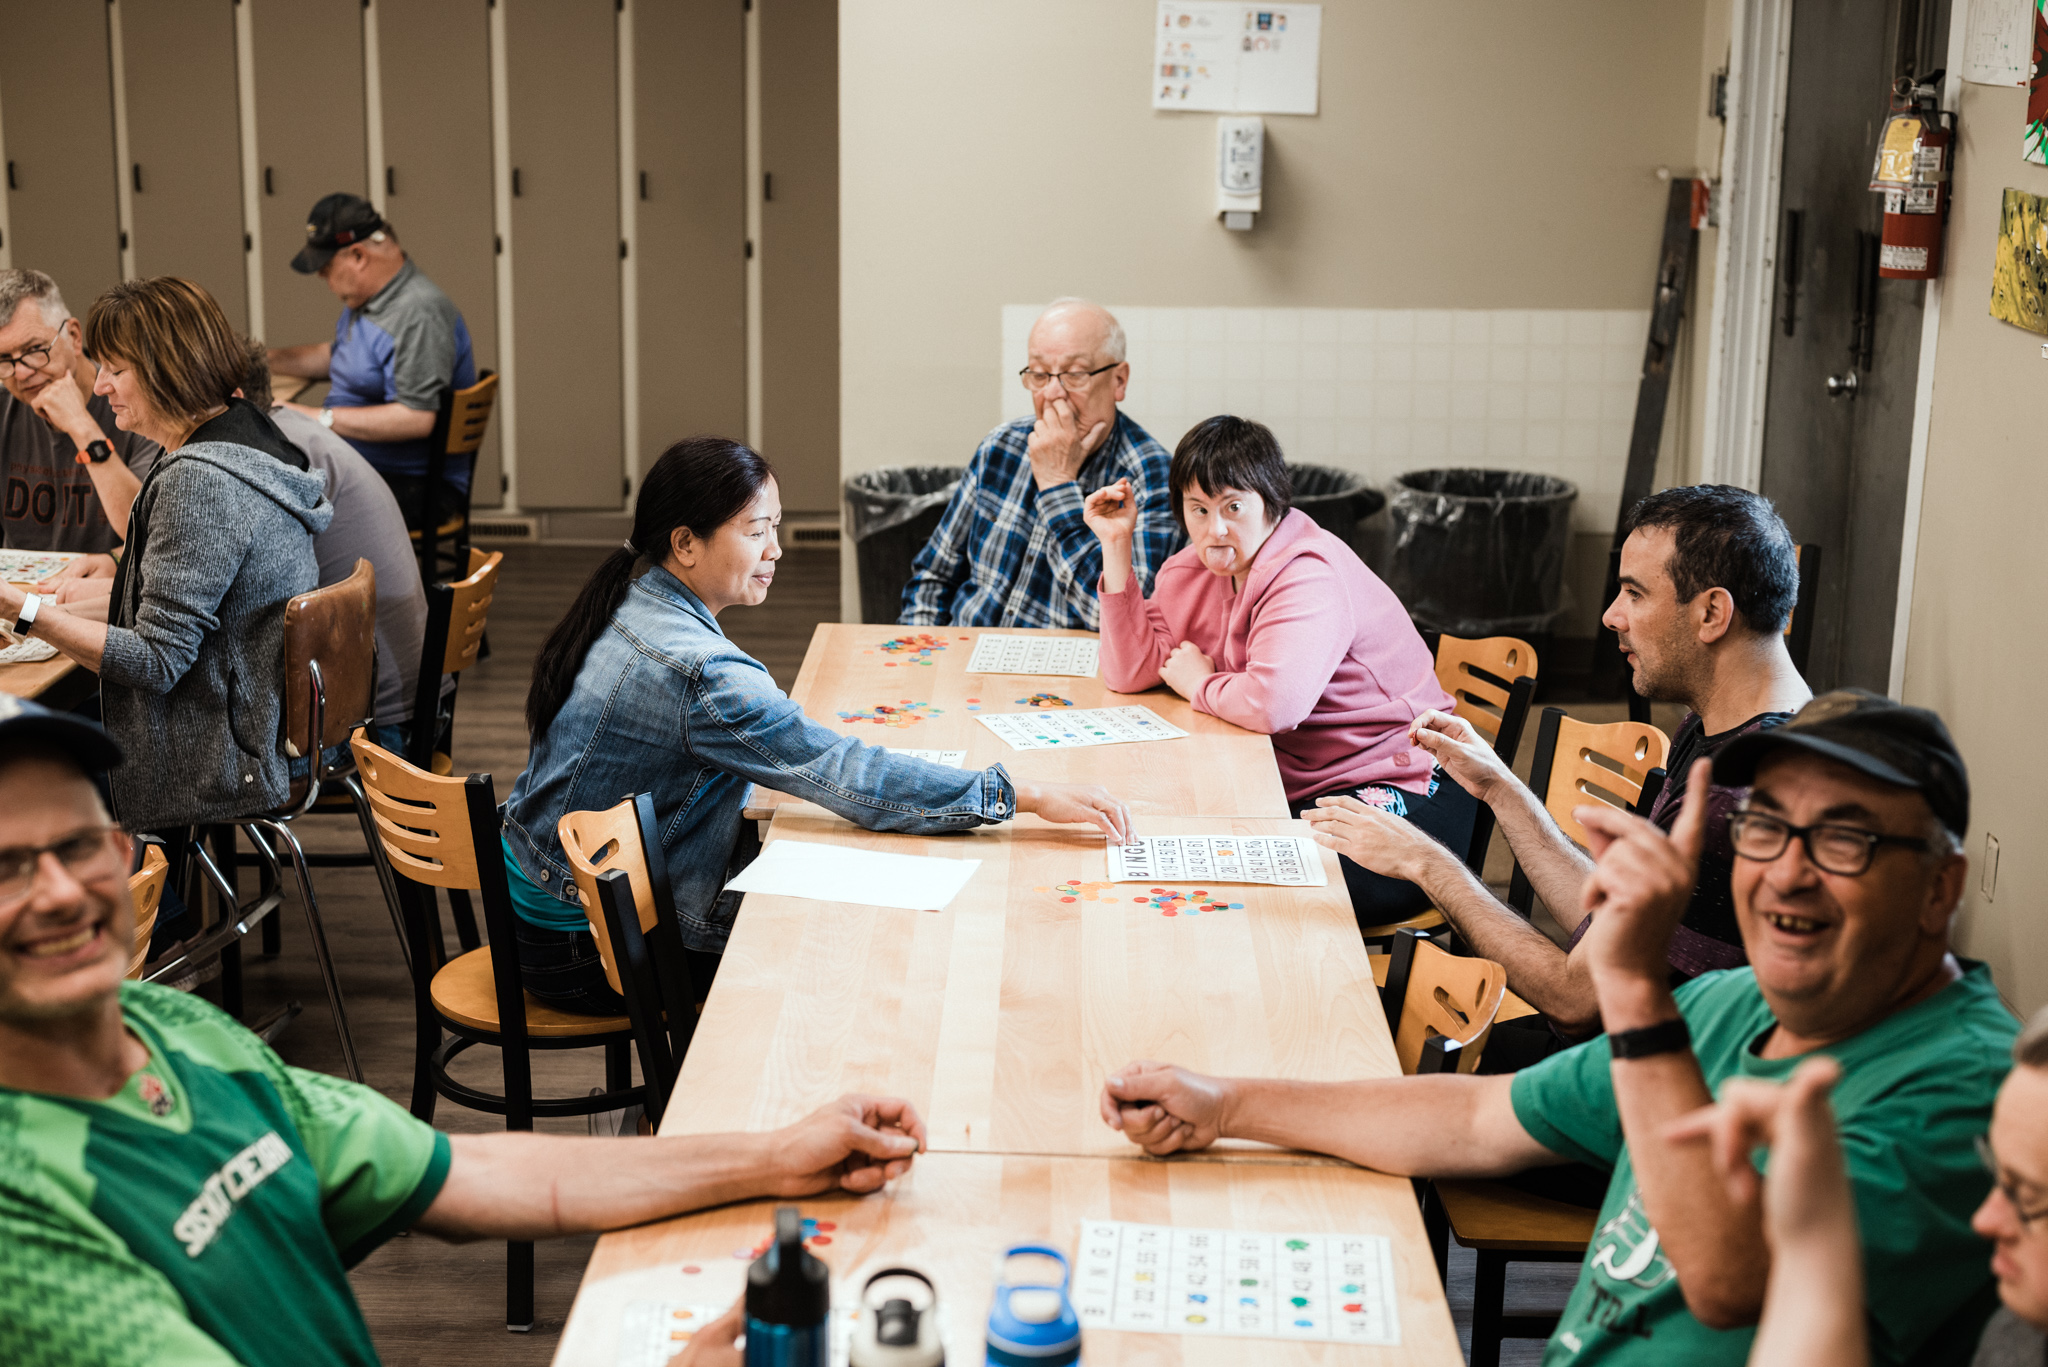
(172, 1193)
(1848, 870)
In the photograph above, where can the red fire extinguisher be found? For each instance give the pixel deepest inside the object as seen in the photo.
(1912, 173)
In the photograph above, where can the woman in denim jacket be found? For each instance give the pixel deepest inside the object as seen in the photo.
(639, 691)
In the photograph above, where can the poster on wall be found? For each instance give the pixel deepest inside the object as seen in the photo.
(1998, 42)
(2035, 144)
(1236, 59)
(2019, 278)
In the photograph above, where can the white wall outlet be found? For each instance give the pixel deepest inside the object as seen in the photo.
(1987, 881)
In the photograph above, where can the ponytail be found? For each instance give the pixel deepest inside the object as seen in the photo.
(700, 483)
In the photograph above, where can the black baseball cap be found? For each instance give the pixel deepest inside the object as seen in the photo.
(24, 723)
(1887, 740)
(337, 221)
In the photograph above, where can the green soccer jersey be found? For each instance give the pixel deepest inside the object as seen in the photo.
(208, 1213)
(1915, 1092)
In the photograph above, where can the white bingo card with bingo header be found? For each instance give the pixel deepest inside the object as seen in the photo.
(1074, 656)
(1158, 1279)
(1288, 861)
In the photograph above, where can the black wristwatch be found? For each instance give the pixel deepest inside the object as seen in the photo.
(1666, 1037)
(98, 452)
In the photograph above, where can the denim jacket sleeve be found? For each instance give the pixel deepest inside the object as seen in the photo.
(737, 719)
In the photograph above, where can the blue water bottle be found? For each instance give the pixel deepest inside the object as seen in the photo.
(1031, 1324)
(789, 1301)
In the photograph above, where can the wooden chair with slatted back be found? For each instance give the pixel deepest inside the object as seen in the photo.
(439, 831)
(1492, 683)
(1440, 1007)
(458, 435)
(633, 919)
(1579, 762)
(146, 890)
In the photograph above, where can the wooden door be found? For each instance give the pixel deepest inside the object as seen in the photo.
(434, 60)
(310, 143)
(691, 221)
(57, 84)
(562, 78)
(184, 144)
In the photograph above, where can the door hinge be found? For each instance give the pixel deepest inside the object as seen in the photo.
(767, 185)
(391, 180)
(643, 185)
(497, 244)
(269, 181)
(504, 484)
(248, 243)
(626, 487)
(135, 177)
(124, 241)
(10, 177)
(622, 249)
(750, 249)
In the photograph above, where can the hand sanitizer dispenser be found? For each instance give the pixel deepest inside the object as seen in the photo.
(1240, 159)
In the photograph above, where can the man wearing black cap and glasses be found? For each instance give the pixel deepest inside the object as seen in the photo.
(398, 347)
(1848, 870)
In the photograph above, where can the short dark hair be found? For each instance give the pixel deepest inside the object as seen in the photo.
(255, 384)
(1224, 452)
(188, 359)
(1728, 538)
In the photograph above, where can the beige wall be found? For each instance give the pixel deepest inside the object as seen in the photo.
(1976, 649)
(997, 154)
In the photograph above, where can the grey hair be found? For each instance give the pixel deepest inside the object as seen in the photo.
(18, 287)
(1113, 336)
(2030, 1050)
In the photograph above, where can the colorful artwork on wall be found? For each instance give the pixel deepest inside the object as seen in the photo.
(2019, 277)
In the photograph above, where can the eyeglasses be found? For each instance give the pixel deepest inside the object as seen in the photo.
(1843, 850)
(29, 357)
(1072, 380)
(84, 854)
(2006, 1186)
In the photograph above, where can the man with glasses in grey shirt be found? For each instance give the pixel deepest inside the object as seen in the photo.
(67, 474)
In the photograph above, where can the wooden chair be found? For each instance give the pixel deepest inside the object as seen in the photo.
(633, 919)
(457, 436)
(1578, 762)
(1440, 1007)
(439, 831)
(146, 891)
(1492, 682)
(330, 666)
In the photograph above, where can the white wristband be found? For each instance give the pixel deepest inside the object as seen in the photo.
(26, 618)
(327, 418)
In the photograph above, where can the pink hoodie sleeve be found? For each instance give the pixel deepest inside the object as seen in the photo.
(1135, 640)
(1300, 629)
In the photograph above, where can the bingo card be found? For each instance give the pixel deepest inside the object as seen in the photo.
(1288, 861)
(1056, 730)
(29, 567)
(1157, 1279)
(1070, 655)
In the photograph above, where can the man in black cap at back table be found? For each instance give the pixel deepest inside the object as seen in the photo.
(398, 347)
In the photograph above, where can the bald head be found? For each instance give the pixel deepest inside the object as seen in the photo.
(1073, 326)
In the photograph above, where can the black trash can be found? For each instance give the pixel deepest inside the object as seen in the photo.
(891, 514)
(1480, 552)
(1337, 499)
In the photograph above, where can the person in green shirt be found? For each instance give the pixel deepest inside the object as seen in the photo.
(1848, 871)
(172, 1193)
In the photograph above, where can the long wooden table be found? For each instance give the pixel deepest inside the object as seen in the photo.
(52, 677)
(1222, 770)
(1000, 1016)
(954, 1213)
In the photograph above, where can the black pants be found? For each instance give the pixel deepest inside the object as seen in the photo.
(1445, 813)
(563, 969)
(411, 491)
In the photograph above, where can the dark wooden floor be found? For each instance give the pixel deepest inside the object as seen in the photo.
(428, 1302)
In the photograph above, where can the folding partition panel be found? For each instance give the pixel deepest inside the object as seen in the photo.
(57, 89)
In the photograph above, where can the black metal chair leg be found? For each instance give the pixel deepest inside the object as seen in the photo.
(465, 920)
(518, 1256)
(1489, 1294)
(1436, 1223)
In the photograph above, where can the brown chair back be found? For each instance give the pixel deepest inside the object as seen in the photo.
(1589, 763)
(469, 609)
(469, 413)
(146, 890)
(330, 662)
(1481, 675)
(422, 819)
(595, 843)
(1448, 1005)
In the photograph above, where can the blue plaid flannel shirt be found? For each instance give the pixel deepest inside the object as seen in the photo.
(1008, 554)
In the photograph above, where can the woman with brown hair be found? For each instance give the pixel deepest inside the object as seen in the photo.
(220, 536)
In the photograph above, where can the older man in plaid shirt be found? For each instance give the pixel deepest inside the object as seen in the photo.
(1012, 550)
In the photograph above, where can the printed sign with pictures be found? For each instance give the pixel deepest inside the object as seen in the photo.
(1236, 59)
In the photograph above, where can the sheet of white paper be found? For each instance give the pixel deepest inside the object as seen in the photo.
(1998, 42)
(1063, 729)
(28, 567)
(1235, 58)
(1075, 656)
(834, 873)
(1288, 861)
(956, 758)
(653, 1332)
(1159, 1279)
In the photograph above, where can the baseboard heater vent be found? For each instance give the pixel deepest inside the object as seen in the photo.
(504, 529)
(821, 534)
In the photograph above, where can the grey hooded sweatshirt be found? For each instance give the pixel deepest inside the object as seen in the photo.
(192, 682)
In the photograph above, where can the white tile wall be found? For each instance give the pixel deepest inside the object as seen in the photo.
(1383, 391)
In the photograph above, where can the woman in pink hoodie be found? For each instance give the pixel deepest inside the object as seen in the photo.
(1270, 622)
